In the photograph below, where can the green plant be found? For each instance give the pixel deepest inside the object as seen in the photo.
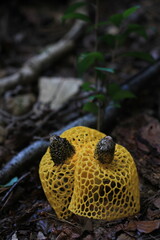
(102, 89)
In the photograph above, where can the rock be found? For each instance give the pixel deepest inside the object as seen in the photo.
(20, 104)
(56, 91)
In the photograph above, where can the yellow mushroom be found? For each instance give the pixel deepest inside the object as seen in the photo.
(95, 178)
(56, 174)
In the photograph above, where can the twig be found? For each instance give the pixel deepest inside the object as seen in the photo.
(34, 66)
(37, 149)
(61, 220)
(23, 159)
(141, 79)
(5, 200)
(14, 186)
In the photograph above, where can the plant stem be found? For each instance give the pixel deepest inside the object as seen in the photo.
(113, 55)
(96, 49)
(96, 35)
(96, 24)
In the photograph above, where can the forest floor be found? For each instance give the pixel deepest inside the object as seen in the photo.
(24, 211)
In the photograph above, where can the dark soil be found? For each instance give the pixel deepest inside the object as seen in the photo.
(24, 210)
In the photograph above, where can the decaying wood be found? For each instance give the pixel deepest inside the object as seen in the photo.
(37, 149)
(35, 65)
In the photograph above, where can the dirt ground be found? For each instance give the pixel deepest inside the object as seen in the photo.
(24, 211)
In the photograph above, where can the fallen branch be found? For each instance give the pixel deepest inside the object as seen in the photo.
(35, 65)
(141, 79)
(37, 149)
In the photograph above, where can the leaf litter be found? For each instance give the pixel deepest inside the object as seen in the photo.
(24, 211)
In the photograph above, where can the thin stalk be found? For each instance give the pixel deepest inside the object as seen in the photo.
(113, 56)
(96, 35)
(114, 51)
(96, 49)
(96, 24)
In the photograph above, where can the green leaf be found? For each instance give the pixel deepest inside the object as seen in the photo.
(102, 24)
(141, 55)
(117, 105)
(117, 94)
(10, 183)
(96, 26)
(100, 75)
(130, 11)
(123, 94)
(90, 107)
(110, 70)
(87, 87)
(114, 40)
(113, 88)
(80, 16)
(116, 19)
(86, 60)
(140, 30)
(74, 7)
(100, 97)
(109, 39)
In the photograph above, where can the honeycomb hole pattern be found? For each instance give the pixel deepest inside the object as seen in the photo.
(80, 136)
(105, 191)
(84, 186)
(58, 181)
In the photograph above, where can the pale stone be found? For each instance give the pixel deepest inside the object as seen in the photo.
(20, 104)
(56, 91)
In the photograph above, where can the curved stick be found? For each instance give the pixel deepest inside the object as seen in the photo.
(38, 148)
(35, 65)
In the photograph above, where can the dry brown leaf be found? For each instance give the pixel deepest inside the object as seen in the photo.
(88, 237)
(151, 132)
(157, 202)
(153, 214)
(142, 226)
(125, 236)
(149, 139)
(148, 226)
(141, 136)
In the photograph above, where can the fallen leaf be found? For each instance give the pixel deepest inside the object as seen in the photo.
(157, 202)
(40, 236)
(149, 138)
(142, 226)
(141, 136)
(125, 236)
(20, 104)
(88, 237)
(56, 91)
(153, 214)
(14, 236)
(148, 226)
